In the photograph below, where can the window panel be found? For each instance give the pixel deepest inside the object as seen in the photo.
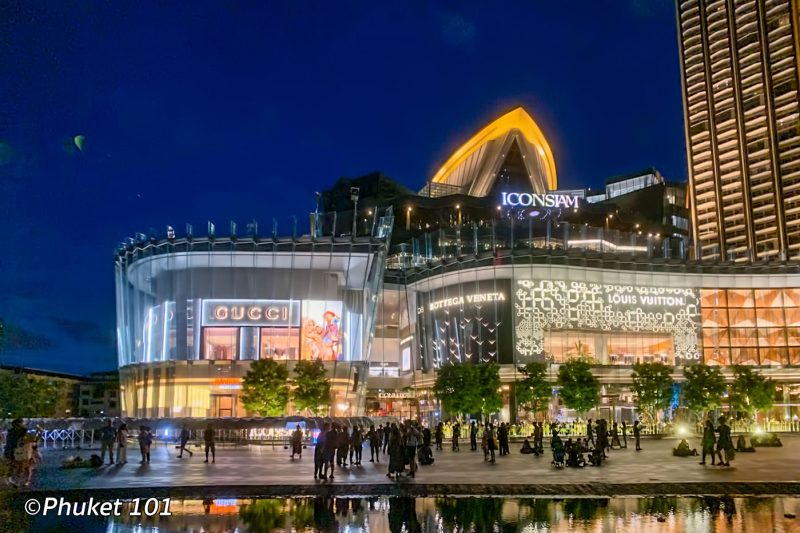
(221, 343)
(769, 317)
(769, 298)
(773, 356)
(280, 343)
(742, 317)
(744, 356)
(714, 318)
(791, 297)
(740, 298)
(713, 298)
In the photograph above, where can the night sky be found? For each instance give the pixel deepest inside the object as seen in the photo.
(239, 110)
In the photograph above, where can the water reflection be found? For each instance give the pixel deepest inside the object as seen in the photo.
(412, 515)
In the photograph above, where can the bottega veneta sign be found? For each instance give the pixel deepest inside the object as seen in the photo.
(468, 298)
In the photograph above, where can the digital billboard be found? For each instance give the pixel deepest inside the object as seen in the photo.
(604, 312)
(321, 335)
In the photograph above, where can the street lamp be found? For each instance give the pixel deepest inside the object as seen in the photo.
(408, 218)
(354, 197)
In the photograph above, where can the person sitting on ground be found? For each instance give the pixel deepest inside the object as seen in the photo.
(425, 455)
(683, 449)
(575, 458)
(585, 446)
(526, 447)
(741, 445)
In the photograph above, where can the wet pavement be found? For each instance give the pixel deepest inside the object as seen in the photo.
(268, 470)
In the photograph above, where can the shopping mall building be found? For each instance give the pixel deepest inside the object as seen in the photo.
(490, 261)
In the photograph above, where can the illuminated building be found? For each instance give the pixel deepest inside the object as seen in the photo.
(740, 92)
(517, 272)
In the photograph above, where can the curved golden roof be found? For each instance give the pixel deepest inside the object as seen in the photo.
(517, 119)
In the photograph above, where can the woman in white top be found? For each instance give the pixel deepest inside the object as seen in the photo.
(122, 444)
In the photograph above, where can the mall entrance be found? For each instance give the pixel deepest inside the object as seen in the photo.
(223, 405)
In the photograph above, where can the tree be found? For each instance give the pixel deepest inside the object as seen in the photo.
(579, 389)
(652, 385)
(750, 392)
(265, 388)
(488, 387)
(703, 389)
(23, 396)
(312, 390)
(533, 391)
(455, 389)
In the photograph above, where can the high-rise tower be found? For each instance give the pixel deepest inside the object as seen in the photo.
(740, 93)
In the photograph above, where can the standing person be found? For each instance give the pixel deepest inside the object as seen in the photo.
(485, 445)
(473, 436)
(637, 432)
(374, 445)
(412, 441)
(426, 437)
(380, 439)
(319, 453)
(14, 437)
(122, 444)
(331, 445)
(589, 433)
(456, 435)
(357, 444)
(297, 442)
(145, 440)
(615, 436)
(504, 438)
(709, 442)
(724, 443)
(387, 433)
(491, 441)
(208, 438)
(439, 435)
(108, 440)
(343, 446)
(539, 432)
(602, 437)
(624, 434)
(184, 439)
(397, 458)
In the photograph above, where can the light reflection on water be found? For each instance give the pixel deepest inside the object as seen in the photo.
(408, 515)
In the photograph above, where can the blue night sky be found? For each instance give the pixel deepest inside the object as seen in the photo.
(239, 110)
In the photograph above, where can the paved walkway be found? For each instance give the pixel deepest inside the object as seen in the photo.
(265, 470)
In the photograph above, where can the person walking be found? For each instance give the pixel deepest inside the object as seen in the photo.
(184, 439)
(108, 441)
(387, 433)
(615, 436)
(709, 442)
(724, 443)
(637, 433)
(624, 434)
(473, 436)
(589, 433)
(412, 442)
(122, 444)
(374, 445)
(297, 442)
(439, 435)
(456, 435)
(208, 438)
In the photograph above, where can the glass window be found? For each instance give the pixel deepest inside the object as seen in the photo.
(794, 355)
(714, 338)
(791, 297)
(744, 356)
(714, 318)
(768, 298)
(714, 356)
(713, 298)
(220, 343)
(793, 336)
(768, 337)
(743, 337)
(280, 343)
(769, 317)
(740, 298)
(773, 356)
(742, 317)
(792, 316)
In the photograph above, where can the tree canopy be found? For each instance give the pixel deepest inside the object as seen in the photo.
(23, 396)
(469, 389)
(488, 387)
(703, 389)
(265, 388)
(579, 389)
(751, 392)
(533, 391)
(312, 390)
(652, 385)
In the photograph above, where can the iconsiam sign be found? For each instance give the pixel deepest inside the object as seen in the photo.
(513, 199)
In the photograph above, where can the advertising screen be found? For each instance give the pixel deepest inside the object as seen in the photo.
(470, 322)
(321, 335)
(613, 324)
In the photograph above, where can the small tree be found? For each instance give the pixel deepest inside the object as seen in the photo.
(751, 392)
(533, 391)
(652, 385)
(703, 389)
(265, 388)
(22, 396)
(579, 389)
(455, 389)
(487, 387)
(312, 390)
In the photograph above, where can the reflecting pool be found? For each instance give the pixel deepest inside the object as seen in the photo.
(365, 514)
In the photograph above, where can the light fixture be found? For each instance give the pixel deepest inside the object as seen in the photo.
(499, 208)
(458, 206)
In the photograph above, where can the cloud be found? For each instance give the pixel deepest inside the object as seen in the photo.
(457, 30)
(19, 339)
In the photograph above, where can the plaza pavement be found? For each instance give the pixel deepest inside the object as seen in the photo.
(265, 471)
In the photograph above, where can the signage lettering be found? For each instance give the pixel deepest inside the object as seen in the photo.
(524, 199)
(251, 313)
(395, 395)
(469, 298)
